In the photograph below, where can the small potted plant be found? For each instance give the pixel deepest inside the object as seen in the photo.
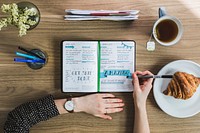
(23, 15)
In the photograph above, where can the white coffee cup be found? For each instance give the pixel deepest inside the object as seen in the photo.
(167, 30)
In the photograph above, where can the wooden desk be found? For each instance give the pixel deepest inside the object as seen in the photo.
(19, 84)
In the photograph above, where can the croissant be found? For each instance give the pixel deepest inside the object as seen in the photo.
(182, 85)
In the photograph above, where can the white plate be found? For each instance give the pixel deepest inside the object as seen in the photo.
(177, 107)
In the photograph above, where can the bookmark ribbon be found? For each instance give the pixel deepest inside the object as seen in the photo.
(99, 66)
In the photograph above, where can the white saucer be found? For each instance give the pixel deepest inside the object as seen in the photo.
(177, 107)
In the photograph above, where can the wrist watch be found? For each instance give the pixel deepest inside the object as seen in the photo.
(69, 105)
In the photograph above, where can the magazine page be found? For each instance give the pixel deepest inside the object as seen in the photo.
(117, 66)
(79, 66)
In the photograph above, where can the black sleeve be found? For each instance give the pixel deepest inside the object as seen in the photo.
(23, 117)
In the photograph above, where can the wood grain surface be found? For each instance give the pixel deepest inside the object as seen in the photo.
(19, 83)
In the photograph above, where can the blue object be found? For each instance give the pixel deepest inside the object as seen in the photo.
(27, 60)
(106, 73)
(30, 52)
(162, 12)
(27, 56)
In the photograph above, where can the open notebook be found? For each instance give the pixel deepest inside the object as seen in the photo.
(97, 66)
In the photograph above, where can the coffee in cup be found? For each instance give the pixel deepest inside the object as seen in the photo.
(167, 30)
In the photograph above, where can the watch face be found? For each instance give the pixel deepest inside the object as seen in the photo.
(69, 105)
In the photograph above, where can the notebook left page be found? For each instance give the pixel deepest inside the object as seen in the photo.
(79, 66)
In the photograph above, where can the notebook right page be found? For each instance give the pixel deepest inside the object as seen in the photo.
(117, 66)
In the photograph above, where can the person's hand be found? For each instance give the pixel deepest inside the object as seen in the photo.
(99, 105)
(141, 88)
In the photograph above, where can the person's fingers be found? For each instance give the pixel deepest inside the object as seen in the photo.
(138, 72)
(147, 73)
(105, 116)
(113, 110)
(150, 80)
(112, 100)
(114, 105)
(105, 95)
(143, 81)
(135, 81)
(146, 87)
